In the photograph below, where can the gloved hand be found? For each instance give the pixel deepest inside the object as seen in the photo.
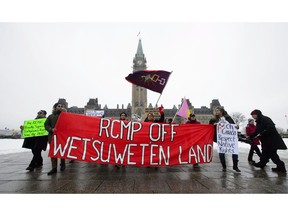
(161, 109)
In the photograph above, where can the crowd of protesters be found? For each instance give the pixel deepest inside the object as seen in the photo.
(263, 134)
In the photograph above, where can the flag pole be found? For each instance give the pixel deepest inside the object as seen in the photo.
(178, 110)
(163, 89)
(158, 99)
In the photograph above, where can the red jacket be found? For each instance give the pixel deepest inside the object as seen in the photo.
(251, 129)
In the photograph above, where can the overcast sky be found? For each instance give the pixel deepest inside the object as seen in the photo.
(243, 64)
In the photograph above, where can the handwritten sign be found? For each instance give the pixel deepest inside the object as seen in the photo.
(34, 128)
(98, 113)
(227, 138)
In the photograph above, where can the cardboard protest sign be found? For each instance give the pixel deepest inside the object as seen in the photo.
(227, 138)
(111, 141)
(91, 112)
(34, 128)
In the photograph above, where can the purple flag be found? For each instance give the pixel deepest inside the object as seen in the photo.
(155, 80)
(184, 110)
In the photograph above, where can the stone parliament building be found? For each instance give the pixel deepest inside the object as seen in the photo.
(139, 104)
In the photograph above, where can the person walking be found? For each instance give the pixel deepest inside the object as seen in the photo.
(36, 144)
(250, 128)
(192, 120)
(270, 139)
(222, 116)
(50, 127)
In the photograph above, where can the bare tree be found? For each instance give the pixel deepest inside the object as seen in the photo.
(238, 117)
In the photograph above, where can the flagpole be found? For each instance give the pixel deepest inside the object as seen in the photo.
(177, 110)
(163, 89)
(158, 100)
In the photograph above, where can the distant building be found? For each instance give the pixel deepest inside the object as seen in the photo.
(139, 101)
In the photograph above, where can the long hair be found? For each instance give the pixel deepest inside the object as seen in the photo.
(223, 111)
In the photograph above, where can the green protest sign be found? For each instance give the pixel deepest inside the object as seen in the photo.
(34, 128)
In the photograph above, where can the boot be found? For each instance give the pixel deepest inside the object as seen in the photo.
(62, 167)
(235, 166)
(280, 167)
(251, 162)
(223, 165)
(278, 170)
(259, 165)
(223, 162)
(54, 170)
(30, 168)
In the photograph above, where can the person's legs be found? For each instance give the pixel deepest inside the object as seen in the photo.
(263, 159)
(32, 164)
(257, 150)
(250, 154)
(62, 165)
(223, 162)
(54, 166)
(39, 159)
(276, 159)
(235, 162)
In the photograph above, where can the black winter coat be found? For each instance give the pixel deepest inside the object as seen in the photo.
(269, 136)
(36, 142)
(50, 123)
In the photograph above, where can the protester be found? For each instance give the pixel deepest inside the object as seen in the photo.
(50, 127)
(192, 120)
(36, 144)
(222, 116)
(250, 128)
(123, 117)
(150, 117)
(168, 120)
(270, 139)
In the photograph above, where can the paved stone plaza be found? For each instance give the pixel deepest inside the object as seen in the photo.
(89, 178)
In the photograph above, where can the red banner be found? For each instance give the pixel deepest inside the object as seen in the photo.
(111, 141)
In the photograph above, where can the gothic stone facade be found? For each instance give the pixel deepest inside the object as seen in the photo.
(203, 114)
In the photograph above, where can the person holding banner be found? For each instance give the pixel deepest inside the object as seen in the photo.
(192, 120)
(169, 121)
(123, 117)
(250, 128)
(36, 144)
(150, 117)
(223, 117)
(270, 139)
(50, 127)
